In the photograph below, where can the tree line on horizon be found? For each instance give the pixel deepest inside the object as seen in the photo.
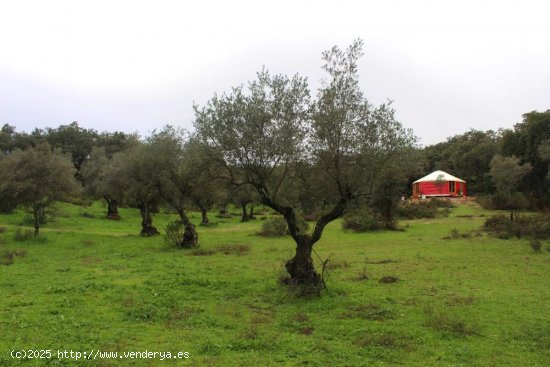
(272, 143)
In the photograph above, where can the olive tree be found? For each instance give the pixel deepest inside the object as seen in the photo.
(289, 149)
(174, 171)
(507, 173)
(37, 177)
(133, 172)
(96, 184)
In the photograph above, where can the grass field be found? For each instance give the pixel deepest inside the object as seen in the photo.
(95, 284)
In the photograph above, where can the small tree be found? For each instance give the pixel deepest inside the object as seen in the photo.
(36, 178)
(134, 173)
(96, 184)
(174, 169)
(242, 196)
(507, 173)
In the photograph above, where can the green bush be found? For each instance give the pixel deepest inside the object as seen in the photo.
(277, 227)
(533, 226)
(419, 209)
(177, 236)
(274, 227)
(362, 221)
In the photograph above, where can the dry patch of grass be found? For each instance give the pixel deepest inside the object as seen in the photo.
(90, 260)
(227, 249)
(459, 300)
(337, 264)
(234, 249)
(389, 279)
(368, 312)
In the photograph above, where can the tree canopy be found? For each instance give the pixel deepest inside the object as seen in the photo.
(330, 151)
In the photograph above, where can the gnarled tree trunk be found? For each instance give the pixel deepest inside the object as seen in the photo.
(301, 268)
(244, 217)
(190, 235)
(251, 214)
(147, 228)
(112, 208)
(204, 214)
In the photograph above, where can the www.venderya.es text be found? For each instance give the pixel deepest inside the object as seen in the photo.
(94, 354)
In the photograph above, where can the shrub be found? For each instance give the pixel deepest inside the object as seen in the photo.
(175, 233)
(274, 227)
(534, 226)
(20, 235)
(536, 245)
(416, 210)
(425, 209)
(277, 227)
(362, 221)
(455, 234)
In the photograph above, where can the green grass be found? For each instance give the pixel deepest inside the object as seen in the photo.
(96, 284)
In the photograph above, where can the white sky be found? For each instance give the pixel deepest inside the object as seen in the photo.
(137, 65)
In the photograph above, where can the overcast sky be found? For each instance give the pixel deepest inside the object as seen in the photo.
(137, 65)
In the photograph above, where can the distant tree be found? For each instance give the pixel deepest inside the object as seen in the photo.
(173, 174)
(544, 150)
(6, 139)
(393, 184)
(524, 142)
(115, 142)
(507, 173)
(206, 188)
(242, 196)
(37, 177)
(133, 172)
(94, 173)
(74, 140)
(544, 154)
(332, 152)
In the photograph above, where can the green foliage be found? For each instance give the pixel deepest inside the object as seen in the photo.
(418, 209)
(274, 227)
(174, 234)
(361, 221)
(37, 177)
(507, 173)
(527, 141)
(532, 226)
